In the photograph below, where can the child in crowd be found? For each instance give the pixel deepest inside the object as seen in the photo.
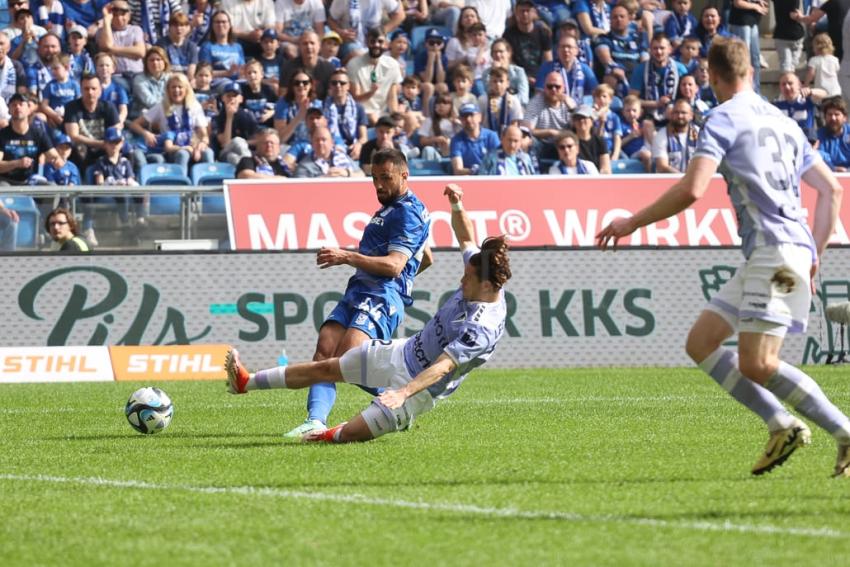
(607, 124)
(462, 82)
(435, 134)
(81, 61)
(257, 97)
(203, 89)
(68, 174)
(636, 134)
(114, 169)
(688, 53)
(705, 92)
(24, 47)
(410, 103)
(329, 50)
(399, 46)
(499, 108)
(112, 91)
(822, 69)
(270, 57)
(60, 91)
(680, 24)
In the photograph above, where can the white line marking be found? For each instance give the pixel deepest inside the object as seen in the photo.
(510, 513)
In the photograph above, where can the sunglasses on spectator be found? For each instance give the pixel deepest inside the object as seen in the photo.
(554, 87)
(301, 83)
(566, 146)
(435, 42)
(57, 223)
(338, 83)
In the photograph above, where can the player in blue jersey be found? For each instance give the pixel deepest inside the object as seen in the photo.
(762, 154)
(416, 371)
(393, 249)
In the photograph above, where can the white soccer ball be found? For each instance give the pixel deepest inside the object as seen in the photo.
(149, 410)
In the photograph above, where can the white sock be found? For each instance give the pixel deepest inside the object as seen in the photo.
(271, 378)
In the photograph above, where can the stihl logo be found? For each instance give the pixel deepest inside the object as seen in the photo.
(179, 363)
(45, 363)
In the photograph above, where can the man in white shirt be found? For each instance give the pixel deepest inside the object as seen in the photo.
(493, 14)
(352, 20)
(375, 77)
(674, 145)
(250, 18)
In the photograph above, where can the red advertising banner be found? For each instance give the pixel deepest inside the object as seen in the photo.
(534, 211)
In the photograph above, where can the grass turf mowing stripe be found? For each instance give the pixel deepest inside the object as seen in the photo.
(509, 513)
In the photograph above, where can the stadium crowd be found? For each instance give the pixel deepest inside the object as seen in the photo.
(92, 91)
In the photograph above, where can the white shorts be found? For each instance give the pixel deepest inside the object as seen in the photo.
(380, 364)
(770, 293)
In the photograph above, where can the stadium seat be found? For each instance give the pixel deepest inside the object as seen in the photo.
(164, 174)
(417, 36)
(28, 225)
(212, 174)
(627, 166)
(425, 168)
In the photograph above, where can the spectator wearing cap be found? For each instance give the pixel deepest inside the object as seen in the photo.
(399, 47)
(271, 55)
(38, 74)
(266, 161)
(22, 145)
(509, 160)
(446, 13)
(592, 147)
(577, 77)
(81, 61)
(548, 113)
(386, 130)
(233, 126)
(290, 112)
(346, 117)
(113, 169)
(308, 60)
(67, 173)
(430, 63)
(472, 143)
(250, 18)
(329, 50)
(375, 77)
(86, 120)
(125, 41)
(501, 54)
(294, 17)
(326, 159)
(181, 51)
(63, 230)
(499, 108)
(529, 38)
(149, 86)
(222, 51)
(25, 44)
(353, 19)
(568, 162)
(12, 75)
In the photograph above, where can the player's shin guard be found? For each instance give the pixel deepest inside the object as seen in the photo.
(722, 366)
(803, 394)
(268, 379)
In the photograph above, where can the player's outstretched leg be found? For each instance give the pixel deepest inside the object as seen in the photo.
(802, 392)
(237, 375)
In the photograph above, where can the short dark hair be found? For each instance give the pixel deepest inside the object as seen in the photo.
(834, 102)
(390, 155)
(72, 222)
(375, 33)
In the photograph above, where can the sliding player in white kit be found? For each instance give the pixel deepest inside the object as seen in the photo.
(762, 154)
(419, 370)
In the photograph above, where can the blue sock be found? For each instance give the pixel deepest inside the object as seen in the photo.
(320, 401)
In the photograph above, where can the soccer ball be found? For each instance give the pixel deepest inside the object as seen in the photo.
(149, 410)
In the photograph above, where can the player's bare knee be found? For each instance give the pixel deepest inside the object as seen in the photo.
(698, 346)
(757, 368)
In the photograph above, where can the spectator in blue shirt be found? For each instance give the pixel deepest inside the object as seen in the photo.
(834, 137)
(470, 145)
(681, 23)
(624, 44)
(656, 81)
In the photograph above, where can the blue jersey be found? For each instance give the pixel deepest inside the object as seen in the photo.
(59, 94)
(466, 331)
(762, 154)
(221, 56)
(81, 64)
(68, 174)
(402, 226)
(628, 49)
(802, 111)
(609, 130)
(835, 149)
(115, 94)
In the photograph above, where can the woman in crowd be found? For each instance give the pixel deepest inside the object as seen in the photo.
(149, 87)
(222, 50)
(291, 110)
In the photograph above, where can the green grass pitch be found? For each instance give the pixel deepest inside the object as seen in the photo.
(522, 467)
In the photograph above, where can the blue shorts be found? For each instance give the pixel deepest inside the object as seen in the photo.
(372, 316)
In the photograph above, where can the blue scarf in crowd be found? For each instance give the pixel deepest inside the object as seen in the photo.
(149, 26)
(502, 164)
(178, 122)
(581, 169)
(338, 159)
(345, 122)
(502, 120)
(669, 83)
(675, 146)
(355, 17)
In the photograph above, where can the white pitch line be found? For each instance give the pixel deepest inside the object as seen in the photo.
(484, 511)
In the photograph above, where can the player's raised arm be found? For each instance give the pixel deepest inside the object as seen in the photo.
(676, 199)
(461, 224)
(828, 203)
